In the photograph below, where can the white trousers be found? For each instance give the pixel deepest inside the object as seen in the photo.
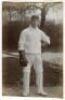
(36, 61)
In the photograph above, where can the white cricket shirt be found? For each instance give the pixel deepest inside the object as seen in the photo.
(30, 40)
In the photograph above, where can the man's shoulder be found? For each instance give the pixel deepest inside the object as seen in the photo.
(41, 31)
(25, 30)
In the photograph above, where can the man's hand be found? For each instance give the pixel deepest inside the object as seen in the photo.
(22, 59)
(48, 40)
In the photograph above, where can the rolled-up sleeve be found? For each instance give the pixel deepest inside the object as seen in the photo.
(45, 38)
(21, 41)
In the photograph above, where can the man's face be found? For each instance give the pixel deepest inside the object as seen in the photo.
(35, 22)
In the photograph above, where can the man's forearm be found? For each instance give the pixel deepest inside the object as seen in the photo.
(46, 38)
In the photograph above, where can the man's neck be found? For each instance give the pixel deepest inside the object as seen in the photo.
(34, 27)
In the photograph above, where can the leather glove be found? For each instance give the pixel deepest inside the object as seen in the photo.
(22, 59)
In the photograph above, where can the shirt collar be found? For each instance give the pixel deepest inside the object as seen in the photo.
(33, 28)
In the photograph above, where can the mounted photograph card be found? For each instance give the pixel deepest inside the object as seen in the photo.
(32, 49)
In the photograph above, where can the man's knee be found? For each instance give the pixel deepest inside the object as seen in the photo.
(39, 70)
(26, 69)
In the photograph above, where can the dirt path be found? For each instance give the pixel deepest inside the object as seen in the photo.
(55, 91)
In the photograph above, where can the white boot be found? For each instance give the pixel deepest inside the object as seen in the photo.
(42, 93)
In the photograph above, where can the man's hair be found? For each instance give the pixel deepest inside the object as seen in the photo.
(34, 17)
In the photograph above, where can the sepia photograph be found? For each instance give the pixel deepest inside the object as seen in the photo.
(32, 49)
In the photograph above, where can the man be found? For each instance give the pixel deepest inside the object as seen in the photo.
(30, 53)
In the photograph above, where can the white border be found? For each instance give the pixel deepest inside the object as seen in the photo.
(0, 49)
(29, 98)
(64, 49)
(33, 0)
